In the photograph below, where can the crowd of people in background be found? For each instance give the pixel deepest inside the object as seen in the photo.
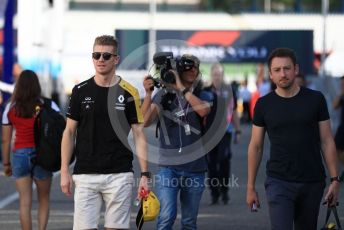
(184, 109)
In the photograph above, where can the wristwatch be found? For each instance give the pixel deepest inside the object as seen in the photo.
(146, 174)
(336, 178)
(185, 91)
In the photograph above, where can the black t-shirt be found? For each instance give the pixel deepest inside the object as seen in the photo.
(101, 142)
(292, 125)
(224, 102)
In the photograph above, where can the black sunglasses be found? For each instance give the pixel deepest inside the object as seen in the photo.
(187, 64)
(106, 55)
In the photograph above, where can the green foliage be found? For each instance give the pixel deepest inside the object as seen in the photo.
(231, 6)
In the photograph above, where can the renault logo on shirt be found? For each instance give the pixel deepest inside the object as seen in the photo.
(121, 98)
(119, 104)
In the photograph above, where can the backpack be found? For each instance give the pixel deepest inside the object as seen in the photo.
(48, 129)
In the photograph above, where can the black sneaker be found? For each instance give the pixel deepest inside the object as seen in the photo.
(225, 198)
(214, 201)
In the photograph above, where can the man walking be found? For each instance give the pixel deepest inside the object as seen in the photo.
(219, 158)
(298, 125)
(180, 112)
(103, 169)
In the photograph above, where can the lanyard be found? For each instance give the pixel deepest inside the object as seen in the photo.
(185, 109)
(186, 125)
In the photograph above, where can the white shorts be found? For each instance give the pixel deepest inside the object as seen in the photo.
(92, 189)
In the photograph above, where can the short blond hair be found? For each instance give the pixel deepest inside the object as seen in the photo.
(106, 40)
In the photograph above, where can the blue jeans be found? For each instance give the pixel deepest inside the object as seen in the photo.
(190, 185)
(22, 166)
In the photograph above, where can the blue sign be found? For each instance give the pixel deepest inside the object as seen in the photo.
(228, 46)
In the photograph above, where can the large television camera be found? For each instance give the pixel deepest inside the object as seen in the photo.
(165, 62)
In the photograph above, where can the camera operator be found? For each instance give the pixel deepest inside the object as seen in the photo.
(181, 111)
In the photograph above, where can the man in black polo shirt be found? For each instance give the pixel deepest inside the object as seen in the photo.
(298, 125)
(101, 112)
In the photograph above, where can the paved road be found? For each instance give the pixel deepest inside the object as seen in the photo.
(234, 216)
